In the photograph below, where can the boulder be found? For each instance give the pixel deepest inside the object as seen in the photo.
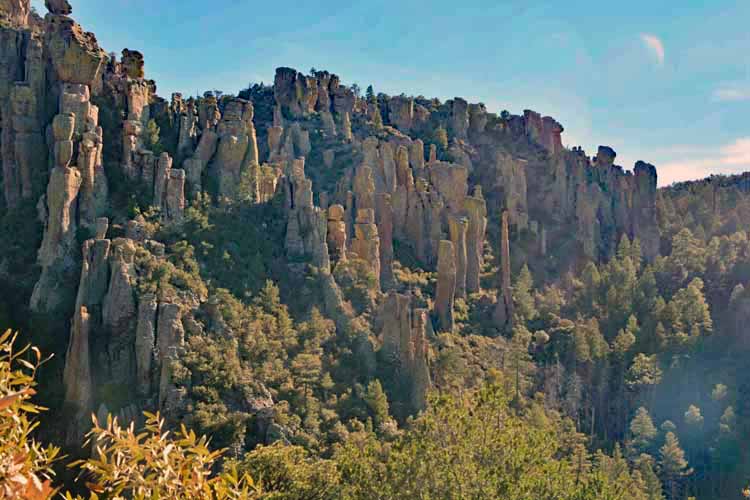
(75, 55)
(133, 64)
(58, 7)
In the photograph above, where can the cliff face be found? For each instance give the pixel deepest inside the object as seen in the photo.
(363, 181)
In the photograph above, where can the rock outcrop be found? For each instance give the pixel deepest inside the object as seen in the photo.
(56, 252)
(384, 219)
(79, 385)
(307, 225)
(366, 242)
(446, 286)
(121, 339)
(475, 209)
(504, 308)
(299, 95)
(457, 227)
(125, 331)
(336, 237)
(237, 147)
(58, 7)
(15, 12)
(405, 348)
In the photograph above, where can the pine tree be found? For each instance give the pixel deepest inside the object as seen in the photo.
(623, 248)
(693, 417)
(152, 138)
(653, 486)
(440, 138)
(591, 282)
(694, 314)
(636, 254)
(642, 432)
(673, 465)
(643, 375)
(623, 342)
(688, 254)
(523, 296)
(377, 119)
(727, 421)
(377, 402)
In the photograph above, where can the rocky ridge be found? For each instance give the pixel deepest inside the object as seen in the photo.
(395, 189)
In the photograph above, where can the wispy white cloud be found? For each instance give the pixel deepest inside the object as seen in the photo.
(696, 163)
(731, 92)
(654, 45)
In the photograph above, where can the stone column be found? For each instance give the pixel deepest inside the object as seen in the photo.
(366, 243)
(145, 343)
(476, 210)
(336, 233)
(504, 310)
(384, 218)
(457, 227)
(446, 285)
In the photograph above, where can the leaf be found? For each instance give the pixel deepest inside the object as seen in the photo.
(11, 399)
(96, 488)
(25, 363)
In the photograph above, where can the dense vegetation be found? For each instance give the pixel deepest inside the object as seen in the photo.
(480, 445)
(620, 379)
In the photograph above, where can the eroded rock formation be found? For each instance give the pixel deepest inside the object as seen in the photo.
(504, 309)
(446, 286)
(366, 242)
(405, 347)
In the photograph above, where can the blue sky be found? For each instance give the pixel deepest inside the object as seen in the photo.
(664, 82)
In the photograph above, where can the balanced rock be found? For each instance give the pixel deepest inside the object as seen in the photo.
(59, 7)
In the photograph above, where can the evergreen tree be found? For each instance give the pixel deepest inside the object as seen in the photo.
(623, 342)
(652, 484)
(693, 417)
(440, 138)
(152, 138)
(523, 296)
(377, 402)
(642, 432)
(692, 310)
(624, 248)
(674, 467)
(377, 119)
(644, 373)
(688, 255)
(636, 254)
(589, 295)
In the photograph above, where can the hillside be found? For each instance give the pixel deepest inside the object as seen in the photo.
(301, 264)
